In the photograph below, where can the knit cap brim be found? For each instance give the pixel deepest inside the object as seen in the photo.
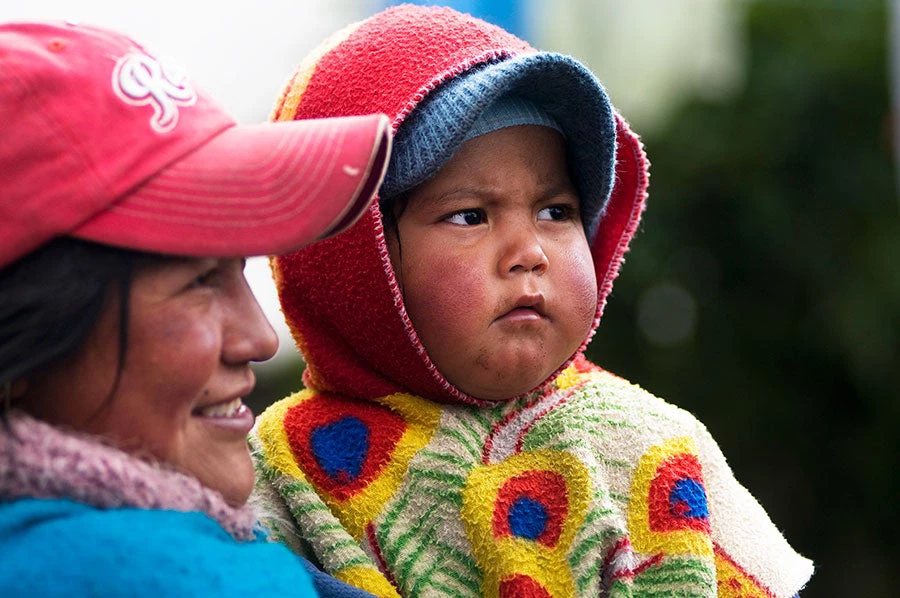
(558, 84)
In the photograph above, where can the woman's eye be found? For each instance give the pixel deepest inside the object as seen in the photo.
(206, 279)
(560, 212)
(466, 217)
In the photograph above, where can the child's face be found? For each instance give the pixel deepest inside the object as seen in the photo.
(493, 263)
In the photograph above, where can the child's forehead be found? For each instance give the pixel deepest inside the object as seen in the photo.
(544, 89)
(428, 148)
(527, 160)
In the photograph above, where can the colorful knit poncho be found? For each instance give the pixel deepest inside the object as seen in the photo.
(397, 482)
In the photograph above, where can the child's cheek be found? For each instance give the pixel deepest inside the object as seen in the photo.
(449, 294)
(584, 279)
(576, 287)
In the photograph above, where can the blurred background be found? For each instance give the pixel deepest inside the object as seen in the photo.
(763, 290)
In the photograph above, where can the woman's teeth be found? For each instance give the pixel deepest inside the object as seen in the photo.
(229, 409)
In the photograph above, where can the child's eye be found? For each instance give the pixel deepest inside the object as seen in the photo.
(466, 217)
(557, 212)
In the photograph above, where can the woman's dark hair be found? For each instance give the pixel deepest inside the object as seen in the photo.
(51, 300)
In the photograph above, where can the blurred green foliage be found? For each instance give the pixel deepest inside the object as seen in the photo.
(774, 214)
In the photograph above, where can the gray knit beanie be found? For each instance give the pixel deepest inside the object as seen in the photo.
(510, 111)
(546, 89)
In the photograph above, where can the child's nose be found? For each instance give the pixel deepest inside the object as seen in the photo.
(524, 253)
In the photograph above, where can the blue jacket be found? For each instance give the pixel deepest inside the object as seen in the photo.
(59, 547)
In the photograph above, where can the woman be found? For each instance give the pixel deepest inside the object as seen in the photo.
(127, 200)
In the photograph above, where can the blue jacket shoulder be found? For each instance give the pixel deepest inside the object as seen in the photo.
(60, 547)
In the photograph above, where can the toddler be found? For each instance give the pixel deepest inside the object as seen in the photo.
(452, 440)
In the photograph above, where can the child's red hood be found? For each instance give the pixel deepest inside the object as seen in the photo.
(340, 296)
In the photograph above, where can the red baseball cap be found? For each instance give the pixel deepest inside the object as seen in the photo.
(103, 140)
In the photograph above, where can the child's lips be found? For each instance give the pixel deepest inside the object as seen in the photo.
(522, 314)
(528, 308)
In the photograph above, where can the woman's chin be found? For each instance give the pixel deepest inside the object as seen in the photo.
(229, 471)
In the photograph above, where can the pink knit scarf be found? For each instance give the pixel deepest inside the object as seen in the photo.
(40, 461)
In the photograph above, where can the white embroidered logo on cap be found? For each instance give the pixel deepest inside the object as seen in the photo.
(140, 79)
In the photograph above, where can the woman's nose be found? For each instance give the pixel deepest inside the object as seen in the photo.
(249, 336)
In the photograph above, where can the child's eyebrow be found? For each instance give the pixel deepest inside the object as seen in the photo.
(460, 192)
(436, 201)
(544, 192)
(557, 188)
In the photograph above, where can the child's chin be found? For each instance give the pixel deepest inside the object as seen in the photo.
(507, 377)
(500, 394)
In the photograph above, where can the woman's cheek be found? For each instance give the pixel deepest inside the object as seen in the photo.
(193, 353)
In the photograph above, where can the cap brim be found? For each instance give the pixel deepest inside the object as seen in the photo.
(261, 189)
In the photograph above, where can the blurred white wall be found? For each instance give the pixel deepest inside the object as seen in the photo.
(649, 54)
(242, 52)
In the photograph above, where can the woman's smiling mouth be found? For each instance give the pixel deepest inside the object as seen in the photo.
(232, 414)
